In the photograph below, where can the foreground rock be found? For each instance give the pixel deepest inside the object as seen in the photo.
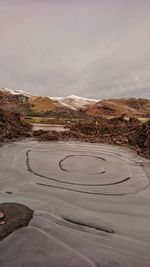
(13, 216)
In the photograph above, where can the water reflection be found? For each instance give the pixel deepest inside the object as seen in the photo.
(47, 127)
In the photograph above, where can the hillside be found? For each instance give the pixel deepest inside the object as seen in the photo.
(15, 92)
(43, 104)
(14, 103)
(72, 106)
(115, 107)
(75, 102)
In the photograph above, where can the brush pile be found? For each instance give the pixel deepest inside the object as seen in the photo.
(12, 126)
(42, 135)
(141, 139)
(118, 130)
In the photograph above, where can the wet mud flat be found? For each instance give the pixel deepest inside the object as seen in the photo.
(90, 202)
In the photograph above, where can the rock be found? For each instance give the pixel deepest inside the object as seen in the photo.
(12, 217)
(1, 215)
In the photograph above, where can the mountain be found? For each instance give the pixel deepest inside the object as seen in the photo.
(15, 92)
(20, 101)
(72, 102)
(13, 102)
(72, 106)
(51, 107)
(75, 102)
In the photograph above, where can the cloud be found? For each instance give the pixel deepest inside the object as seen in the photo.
(90, 48)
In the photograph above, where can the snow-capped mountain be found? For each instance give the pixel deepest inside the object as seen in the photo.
(15, 92)
(72, 106)
(71, 102)
(74, 102)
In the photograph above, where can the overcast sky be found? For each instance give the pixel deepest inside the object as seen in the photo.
(91, 48)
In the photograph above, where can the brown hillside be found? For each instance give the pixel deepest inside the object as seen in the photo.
(43, 104)
(116, 107)
(13, 103)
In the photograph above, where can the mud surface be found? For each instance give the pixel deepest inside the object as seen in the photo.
(90, 201)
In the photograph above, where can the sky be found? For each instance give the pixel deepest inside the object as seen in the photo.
(91, 48)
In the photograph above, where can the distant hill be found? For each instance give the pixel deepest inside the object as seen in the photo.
(15, 92)
(43, 104)
(15, 103)
(72, 106)
(135, 107)
(75, 102)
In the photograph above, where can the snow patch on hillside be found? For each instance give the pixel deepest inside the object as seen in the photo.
(15, 92)
(72, 101)
(75, 102)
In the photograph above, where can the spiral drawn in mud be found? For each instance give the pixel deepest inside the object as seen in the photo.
(88, 172)
(89, 199)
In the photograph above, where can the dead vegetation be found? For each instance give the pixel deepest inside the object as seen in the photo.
(118, 131)
(141, 139)
(42, 135)
(12, 126)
